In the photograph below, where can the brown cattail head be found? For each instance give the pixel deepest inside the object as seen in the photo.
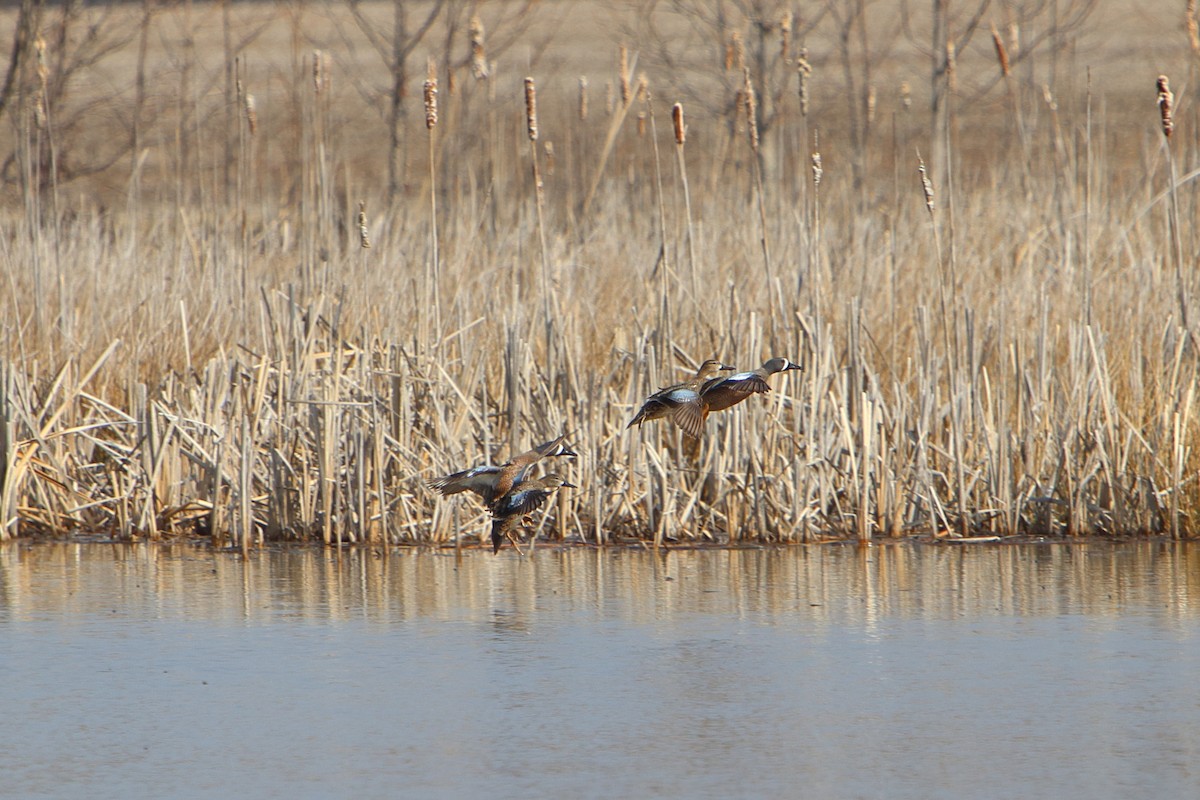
(318, 71)
(641, 124)
(251, 113)
(677, 119)
(431, 93)
(926, 184)
(751, 108)
(626, 88)
(479, 64)
(804, 70)
(817, 171)
(363, 239)
(871, 100)
(583, 97)
(531, 124)
(737, 51)
(905, 95)
(1001, 52)
(1166, 103)
(643, 89)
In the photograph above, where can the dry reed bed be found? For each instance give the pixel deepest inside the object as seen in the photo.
(1012, 363)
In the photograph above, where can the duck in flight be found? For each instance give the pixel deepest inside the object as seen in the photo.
(492, 483)
(512, 510)
(718, 394)
(681, 402)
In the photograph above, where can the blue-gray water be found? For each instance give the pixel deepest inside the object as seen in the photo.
(902, 671)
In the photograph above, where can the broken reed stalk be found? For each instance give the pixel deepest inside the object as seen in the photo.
(431, 120)
(681, 139)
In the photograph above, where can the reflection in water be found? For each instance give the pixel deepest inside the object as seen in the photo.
(837, 584)
(898, 671)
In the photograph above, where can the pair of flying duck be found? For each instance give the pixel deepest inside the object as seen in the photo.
(505, 490)
(688, 404)
(511, 497)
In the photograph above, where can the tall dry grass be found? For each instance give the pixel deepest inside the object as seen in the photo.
(220, 353)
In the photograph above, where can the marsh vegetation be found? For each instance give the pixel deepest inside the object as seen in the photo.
(270, 267)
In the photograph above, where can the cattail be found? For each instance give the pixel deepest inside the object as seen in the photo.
(905, 95)
(951, 67)
(641, 124)
(1001, 52)
(1193, 28)
(583, 98)
(738, 50)
(729, 55)
(1014, 39)
(871, 105)
(751, 109)
(677, 119)
(1166, 102)
(317, 71)
(479, 64)
(817, 171)
(531, 109)
(363, 238)
(626, 88)
(926, 184)
(251, 113)
(785, 37)
(431, 94)
(804, 70)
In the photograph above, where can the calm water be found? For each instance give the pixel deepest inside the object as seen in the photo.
(902, 671)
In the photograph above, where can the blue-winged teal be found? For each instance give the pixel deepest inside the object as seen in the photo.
(680, 402)
(511, 511)
(492, 482)
(718, 394)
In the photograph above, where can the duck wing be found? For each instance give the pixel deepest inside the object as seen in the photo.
(521, 500)
(721, 393)
(483, 481)
(690, 418)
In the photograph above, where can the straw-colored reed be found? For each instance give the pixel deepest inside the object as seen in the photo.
(231, 360)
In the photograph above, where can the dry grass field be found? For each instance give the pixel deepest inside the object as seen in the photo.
(199, 340)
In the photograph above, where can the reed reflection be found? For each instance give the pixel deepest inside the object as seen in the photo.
(837, 584)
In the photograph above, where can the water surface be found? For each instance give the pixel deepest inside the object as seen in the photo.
(899, 671)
